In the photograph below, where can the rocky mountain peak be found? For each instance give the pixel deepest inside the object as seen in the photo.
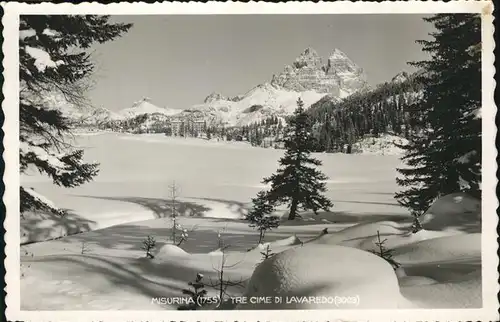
(338, 62)
(340, 76)
(214, 96)
(338, 54)
(308, 58)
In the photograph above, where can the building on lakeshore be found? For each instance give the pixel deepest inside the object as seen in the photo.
(188, 127)
(176, 127)
(198, 126)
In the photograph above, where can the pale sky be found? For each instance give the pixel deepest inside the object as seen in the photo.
(178, 60)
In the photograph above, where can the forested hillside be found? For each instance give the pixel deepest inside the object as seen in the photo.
(390, 108)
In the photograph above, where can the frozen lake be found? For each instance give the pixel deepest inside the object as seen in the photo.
(136, 170)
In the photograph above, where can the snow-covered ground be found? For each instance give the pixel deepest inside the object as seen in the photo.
(383, 145)
(128, 201)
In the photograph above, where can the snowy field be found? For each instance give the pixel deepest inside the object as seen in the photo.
(129, 200)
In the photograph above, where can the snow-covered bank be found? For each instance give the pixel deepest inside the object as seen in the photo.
(437, 269)
(383, 145)
(36, 227)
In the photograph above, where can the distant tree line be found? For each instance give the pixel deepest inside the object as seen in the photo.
(144, 123)
(389, 108)
(264, 133)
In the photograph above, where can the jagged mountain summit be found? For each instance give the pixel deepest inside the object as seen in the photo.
(218, 96)
(308, 78)
(339, 77)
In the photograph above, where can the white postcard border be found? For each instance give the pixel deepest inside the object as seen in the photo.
(12, 179)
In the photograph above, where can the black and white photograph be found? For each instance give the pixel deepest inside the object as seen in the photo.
(250, 161)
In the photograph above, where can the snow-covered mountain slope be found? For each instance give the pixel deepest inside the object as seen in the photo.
(83, 114)
(87, 115)
(307, 78)
(257, 104)
(145, 106)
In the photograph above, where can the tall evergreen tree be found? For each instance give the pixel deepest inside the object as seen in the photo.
(298, 182)
(54, 63)
(260, 215)
(444, 155)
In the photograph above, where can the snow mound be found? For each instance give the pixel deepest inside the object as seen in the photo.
(456, 211)
(322, 273)
(451, 248)
(408, 281)
(460, 293)
(383, 145)
(357, 235)
(169, 250)
(289, 241)
(365, 235)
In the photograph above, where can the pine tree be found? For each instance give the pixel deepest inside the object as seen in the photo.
(267, 253)
(259, 217)
(174, 190)
(54, 63)
(296, 182)
(196, 292)
(148, 245)
(384, 253)
(257, 137)
(444, 156)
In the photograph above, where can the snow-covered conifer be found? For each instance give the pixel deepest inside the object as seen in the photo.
(296, 182)
(54, 61)
(444, 156)
(196, 291)
(259, 216)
